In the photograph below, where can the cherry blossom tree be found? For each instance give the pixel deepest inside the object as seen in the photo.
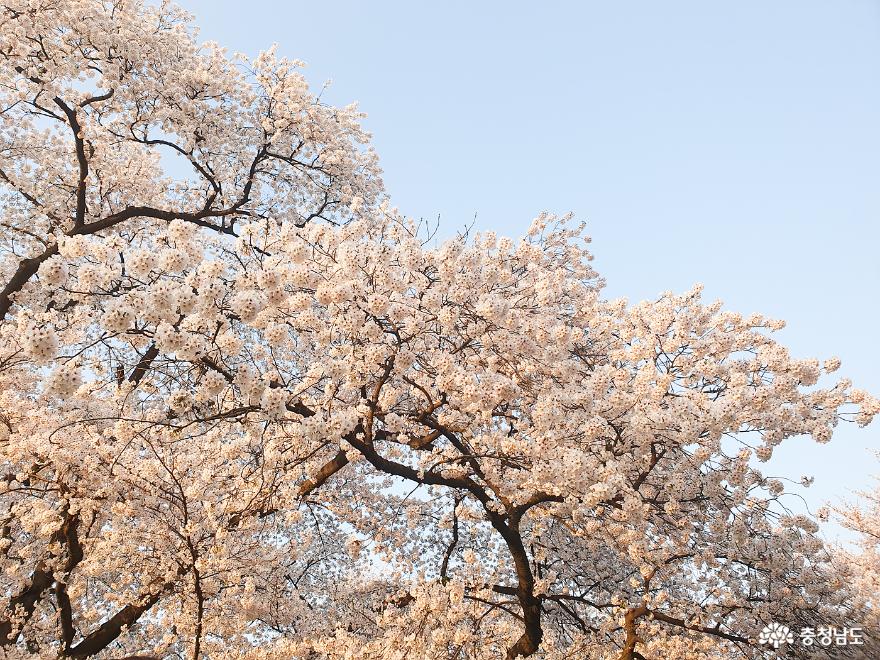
(863, 561)
(249, 411)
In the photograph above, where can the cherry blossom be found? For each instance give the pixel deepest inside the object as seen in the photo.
(247, 410)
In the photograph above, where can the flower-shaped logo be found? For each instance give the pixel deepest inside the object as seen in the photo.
(776, 634)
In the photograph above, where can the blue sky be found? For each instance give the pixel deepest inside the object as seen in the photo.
(735, 144)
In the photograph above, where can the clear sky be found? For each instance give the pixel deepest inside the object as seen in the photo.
(733, 143)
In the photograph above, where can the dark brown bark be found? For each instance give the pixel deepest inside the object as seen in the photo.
(26, 599)
(27, 268)
(331, 467)
(82, 161)
(108, 631)
(42, 579)
(532, 634)
(630, 622)
(143, 364)
(715, 630)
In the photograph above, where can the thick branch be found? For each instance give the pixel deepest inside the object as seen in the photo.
(41, 580)
(715, 630)
(630, 623)
(530, 640)
(83, 162)
(143, 364)
(331, 467)
(101, 638)
(27, 268)
(26, 601)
